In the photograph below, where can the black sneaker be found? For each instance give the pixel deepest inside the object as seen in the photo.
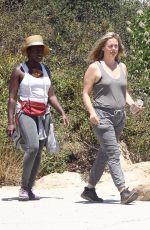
(32, 196)
(128, 196)
(90, 194)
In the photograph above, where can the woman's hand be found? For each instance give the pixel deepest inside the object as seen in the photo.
(136, 109)
(10, 129)
(94, 118)
(65, 120)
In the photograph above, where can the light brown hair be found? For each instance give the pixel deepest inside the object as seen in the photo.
(97, 53)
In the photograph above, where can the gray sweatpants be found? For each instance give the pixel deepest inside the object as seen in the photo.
(33, 147)
(108, 133)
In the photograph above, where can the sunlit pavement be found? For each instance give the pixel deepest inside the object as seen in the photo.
(63, 208)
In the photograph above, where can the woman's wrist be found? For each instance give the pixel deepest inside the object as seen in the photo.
(11, 122)
(131, 103)
(91, 111)
(62, 113)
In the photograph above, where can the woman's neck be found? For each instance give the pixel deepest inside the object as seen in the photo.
(111, 63)
(33, 64)
(35, 68)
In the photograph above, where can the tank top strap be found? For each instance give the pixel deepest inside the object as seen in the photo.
(24, 67)
(122, 73)
(99, 65)
(44, 71)
(103, 72)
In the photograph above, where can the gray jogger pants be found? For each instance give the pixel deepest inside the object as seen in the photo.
(33, 147)
(108, 133)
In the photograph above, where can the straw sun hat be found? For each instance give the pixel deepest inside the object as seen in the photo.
(34, 40)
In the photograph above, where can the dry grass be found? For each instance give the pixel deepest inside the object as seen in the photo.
(10, 166)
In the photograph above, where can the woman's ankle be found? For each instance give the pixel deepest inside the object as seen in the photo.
(90, 185)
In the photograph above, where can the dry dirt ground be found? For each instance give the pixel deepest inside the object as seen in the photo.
(136, 175)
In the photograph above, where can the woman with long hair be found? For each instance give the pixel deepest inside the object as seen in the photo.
(106, 76)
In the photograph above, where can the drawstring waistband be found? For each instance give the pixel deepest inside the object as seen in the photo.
(110, 110)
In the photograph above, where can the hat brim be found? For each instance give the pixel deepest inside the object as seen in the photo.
(46, 49)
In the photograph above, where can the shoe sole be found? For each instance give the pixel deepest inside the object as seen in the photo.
(36, 198)
(23, 199)
(131, 198)
(89, 199)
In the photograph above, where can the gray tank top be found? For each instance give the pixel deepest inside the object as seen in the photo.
(109, 92)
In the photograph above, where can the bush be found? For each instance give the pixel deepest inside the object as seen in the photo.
(137, 131)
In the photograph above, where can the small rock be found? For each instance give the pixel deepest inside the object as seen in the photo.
(144, 192)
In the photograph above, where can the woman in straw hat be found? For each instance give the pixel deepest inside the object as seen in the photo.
(30, 92)
(107, 77)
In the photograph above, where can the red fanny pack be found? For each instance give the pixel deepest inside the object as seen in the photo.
(33, 108)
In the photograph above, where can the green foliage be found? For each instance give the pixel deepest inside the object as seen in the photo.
(139, 31)
(139, 76)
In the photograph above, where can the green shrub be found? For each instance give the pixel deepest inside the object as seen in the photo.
(137, 131)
